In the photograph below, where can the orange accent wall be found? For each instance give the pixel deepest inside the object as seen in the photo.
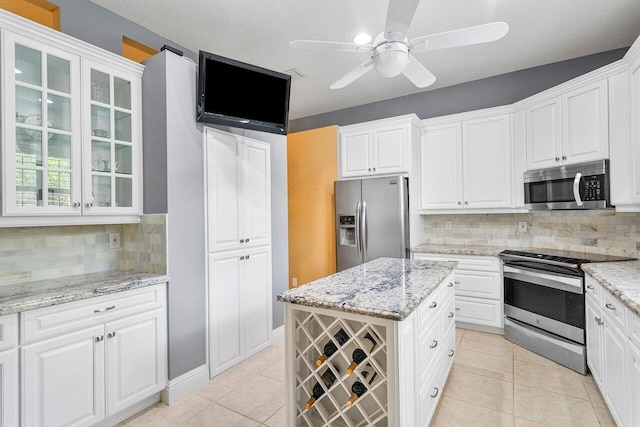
(312, 167)
(136, 51)
(40, 11)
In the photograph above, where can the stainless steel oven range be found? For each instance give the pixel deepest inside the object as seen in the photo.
(544, 303)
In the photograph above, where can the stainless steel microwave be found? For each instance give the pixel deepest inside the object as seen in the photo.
(580, 186)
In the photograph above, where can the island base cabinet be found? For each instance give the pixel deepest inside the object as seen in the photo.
(9, 402)
(634, 381)
(63, 380)
(403, 373)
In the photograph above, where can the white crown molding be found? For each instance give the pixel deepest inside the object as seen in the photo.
(406, 118)
(468, 115)
(632, 57)
(25, 27)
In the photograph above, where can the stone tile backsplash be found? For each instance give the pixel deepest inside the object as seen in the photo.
(603, 232)
(37, 253)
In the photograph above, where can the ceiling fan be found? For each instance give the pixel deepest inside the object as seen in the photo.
(391, 51)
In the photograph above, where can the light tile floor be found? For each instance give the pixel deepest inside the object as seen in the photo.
(492, 383)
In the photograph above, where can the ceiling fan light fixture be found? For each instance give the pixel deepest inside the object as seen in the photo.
(361, 38)
(390, 59)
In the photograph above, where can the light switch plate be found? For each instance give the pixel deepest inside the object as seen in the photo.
(294, 282)
(114, 240)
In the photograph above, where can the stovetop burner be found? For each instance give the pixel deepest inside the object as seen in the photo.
(564, 257)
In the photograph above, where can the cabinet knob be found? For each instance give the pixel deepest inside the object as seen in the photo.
(247, 257)
(451, 353)
(241, 240)
(450, 285)
(242, 257)
(564, 157)
(459, 203)
(100, 338)
(450, 314)
(246, 240)
(434, 344)
(457, 308)
(369, 169)
(433, 305)
(466, 203)
(111, 334)
(589, 286)
(374, 169)
(557, 159)
(77, 204)
(89, 204)
(436, 390)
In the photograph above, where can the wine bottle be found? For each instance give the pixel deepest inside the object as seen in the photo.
(328, 379)
(359, 354)
(330, 348)
(357, 390)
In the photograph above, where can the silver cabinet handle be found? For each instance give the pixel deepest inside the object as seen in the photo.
(369, 169)
(450, 285)
(436, 390)
(104, 309)
(589, 287)
(77, 204)
(100, 338)
(610, 306)
(374, 169)
(242, 257)
(466, 203)
(564, 157)
(111, 334)
(457, 282)
(241, 240)
(557, 159)
(598, 320)
(247, 257)
(246, 240)
(457, 308)
(433, 305)
(434, 345)
(89, 204)
(450, 314)
(459, 203)
(451, 353)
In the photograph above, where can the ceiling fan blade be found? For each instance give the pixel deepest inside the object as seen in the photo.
(352, 75)
(330, 46)
(399, 16)
(462, 37)
(418, 75)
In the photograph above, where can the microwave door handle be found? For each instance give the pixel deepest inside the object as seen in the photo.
(576, 189)
(358, 242)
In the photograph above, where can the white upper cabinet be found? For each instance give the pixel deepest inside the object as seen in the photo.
(467, 164)
(377, 148)
(570, 128)
(71, 134)
(239, 191)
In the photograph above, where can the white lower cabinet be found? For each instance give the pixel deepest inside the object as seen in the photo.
(81, 377)
(478, 288)
(612, 355)
(240, 306)
(9, 401)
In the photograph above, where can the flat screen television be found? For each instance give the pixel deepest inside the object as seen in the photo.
(237, 94)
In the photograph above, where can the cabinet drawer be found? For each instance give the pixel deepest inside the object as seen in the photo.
(483, 285)
(465, 262)
(429, 393)
(58, 319)
(8, 331)
(429, 344)
(593, 288)
(479, 311)
(615, 310)
(634, 328)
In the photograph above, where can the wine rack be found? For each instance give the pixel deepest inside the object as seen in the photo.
(312, 330)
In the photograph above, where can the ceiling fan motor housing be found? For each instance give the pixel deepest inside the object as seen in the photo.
(390, 58)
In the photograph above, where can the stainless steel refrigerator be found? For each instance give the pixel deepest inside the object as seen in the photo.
(372, 220)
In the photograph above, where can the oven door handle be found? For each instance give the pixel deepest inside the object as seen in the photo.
(576, 189)
(568, 284)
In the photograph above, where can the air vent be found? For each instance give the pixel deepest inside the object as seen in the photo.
(294, 73)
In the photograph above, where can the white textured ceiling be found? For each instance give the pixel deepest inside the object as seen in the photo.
(259, 32)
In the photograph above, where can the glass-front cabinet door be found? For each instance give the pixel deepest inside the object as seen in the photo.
(112, 141)
(41, 132)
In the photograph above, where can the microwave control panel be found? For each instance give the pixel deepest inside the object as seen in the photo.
(593, 188)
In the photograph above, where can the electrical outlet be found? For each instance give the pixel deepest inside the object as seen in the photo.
(114, 240)
(523, 227)
(447, 225)
(294, 282)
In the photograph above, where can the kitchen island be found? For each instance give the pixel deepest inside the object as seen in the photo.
(371, 345)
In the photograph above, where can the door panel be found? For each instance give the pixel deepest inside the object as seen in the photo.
(355, 154)
(441, 170)
(9, 395)
(63, 380)
(256, 194)
(255, 279)
(594, 339)
(386, 217)
(390, 146)
(544, 135)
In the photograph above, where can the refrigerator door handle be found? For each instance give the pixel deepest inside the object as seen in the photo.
(363, 231)
(358, 242)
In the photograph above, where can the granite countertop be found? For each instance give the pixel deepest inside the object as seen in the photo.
(43, 293)
(622, 279)
(387, 288)
(483, 250)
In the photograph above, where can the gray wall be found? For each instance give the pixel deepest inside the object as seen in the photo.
(174, 184)
(490, 92)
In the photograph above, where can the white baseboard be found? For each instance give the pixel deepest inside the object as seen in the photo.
(185, 384)
(277, 336)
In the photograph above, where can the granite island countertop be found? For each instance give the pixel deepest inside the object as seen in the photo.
(43, 293)
(622, 279)
(387, 288)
